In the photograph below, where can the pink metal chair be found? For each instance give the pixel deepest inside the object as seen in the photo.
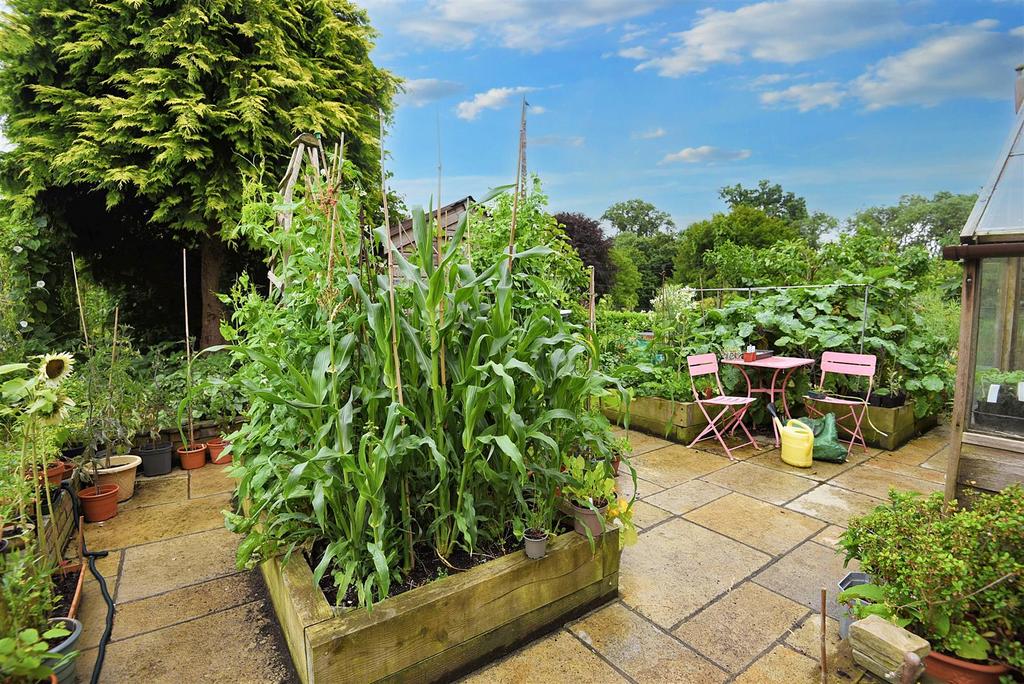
(707, 364)
(839, 363)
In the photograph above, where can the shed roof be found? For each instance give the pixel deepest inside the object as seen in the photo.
(402, 237)
(999, 212)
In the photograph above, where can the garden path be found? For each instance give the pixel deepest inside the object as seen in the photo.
(722, 586)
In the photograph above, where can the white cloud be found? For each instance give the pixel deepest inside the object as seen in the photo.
(559, 140)
(421, 91)
(705, 154)
(530, 25)
(495, 98)
(786, 31)
(966, 61)
(651, 134)
(637, 52)
(538, 109)
(806, 96)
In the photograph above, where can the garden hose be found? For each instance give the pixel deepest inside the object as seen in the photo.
(101, 651)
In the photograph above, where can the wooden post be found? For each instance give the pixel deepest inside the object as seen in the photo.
(824, 650)
(593, 316)
(78, 296)
(520, 183)
(964, 388)
(911, 668)
(188, 351)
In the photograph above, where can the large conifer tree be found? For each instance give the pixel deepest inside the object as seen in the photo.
(168, 104)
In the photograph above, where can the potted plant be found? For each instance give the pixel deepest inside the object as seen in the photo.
(953, 576)
(589, 490)
(221, 402)
(538, 527)
(620, 449)
(155, 416)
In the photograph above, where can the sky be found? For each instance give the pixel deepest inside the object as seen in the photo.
(849, 103)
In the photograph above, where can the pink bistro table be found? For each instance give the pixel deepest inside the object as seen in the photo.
(781, 366)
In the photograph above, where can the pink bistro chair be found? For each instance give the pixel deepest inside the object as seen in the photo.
(707, 364)
(839, 363)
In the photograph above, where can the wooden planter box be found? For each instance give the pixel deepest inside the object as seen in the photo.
(899, 424)
(58, 525)
(679, 421)
(448, 627)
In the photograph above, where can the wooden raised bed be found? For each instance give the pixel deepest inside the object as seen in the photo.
(448, 627)
(899, 424)
(679, 421)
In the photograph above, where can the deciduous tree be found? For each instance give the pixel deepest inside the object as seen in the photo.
(639, 217)
(586, 236)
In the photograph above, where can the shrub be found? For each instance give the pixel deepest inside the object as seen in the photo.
(953, 576)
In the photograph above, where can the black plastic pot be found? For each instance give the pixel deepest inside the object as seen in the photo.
(156, 460)
(66, 672)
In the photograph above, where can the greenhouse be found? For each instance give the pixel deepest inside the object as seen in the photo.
(328, 356)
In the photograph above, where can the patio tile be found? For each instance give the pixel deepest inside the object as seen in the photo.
(834, 504)
(153, 523)
(830, 536)
(173, 563)
(742, 453)
(877, 483)
(687, 496)
(801, 573)
(741, 624)
(677, 567)
(761, 483)
(916, 451)
(898, 468)
(641, 443)
(92, 610)
(819, 470)
(242, 644)
(765, 527)
(210, 479)
(938, 461)
(556, 658)
(152, 492)
(645, 515)
(781, 665)
(624, 486)
(641, 650)
(676, 464)
(163, 610)
(840, 665)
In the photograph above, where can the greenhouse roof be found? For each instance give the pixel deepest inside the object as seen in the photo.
(999, 211)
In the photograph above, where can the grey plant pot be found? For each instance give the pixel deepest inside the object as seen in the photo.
(156, 461)
(852, 579)
(66, 673)
(536, 548)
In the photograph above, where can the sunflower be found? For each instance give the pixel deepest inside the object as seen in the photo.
(55, 412)
(55, 368)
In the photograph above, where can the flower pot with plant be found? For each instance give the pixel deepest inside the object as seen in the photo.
(155, 415)
(589, 490)
(538, 526)
(953, 576)
(219, 400)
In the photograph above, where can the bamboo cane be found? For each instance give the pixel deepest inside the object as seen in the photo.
(78, 297)
(519, 184)
(188, 351)
(391, 266)
(440, 246)
(824, 652)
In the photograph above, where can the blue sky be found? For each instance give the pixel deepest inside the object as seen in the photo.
(850, 103)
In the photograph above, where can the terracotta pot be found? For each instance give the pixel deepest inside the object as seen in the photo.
(192, 456)
(536, 547)
(947, 668)
(584, 518)
(616, 462)
(99, 506)
(217, 445)
(121, 472)
(55, 473)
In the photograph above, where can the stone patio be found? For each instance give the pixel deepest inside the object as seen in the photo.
(723, 585)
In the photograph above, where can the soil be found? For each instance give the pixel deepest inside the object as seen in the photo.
(64, 586)
(428, 566)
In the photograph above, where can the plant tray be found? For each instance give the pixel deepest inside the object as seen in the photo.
(444, 629)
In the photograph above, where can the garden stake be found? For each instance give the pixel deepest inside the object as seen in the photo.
(440, 245)
(188, 351)
(520, 170)
(78, 296)
(824, 653)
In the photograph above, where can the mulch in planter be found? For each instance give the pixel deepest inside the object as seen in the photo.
(64, 585)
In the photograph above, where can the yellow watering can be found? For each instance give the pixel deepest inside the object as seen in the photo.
(797, 443)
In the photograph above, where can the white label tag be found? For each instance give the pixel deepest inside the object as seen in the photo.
(993, 394)
(1020, 391)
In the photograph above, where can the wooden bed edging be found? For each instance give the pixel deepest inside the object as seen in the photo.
(446, 628)
(899, 424)
(679, 421)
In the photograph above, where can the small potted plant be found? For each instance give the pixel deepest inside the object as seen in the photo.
(537, 529)
(155, 416)
(621, 449)
(589, 490)
(953, 576)
(222, 403)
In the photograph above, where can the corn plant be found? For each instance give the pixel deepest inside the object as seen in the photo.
(378, 432)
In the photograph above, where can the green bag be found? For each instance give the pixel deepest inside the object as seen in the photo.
(827, 446)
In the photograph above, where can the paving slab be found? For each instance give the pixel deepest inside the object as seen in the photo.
(645, 514)
(939, 461)
(830, 536)
(210, 479)
(687, 496)
(152, 492)
(242, 644)
(877, 483)
(806, 637)
(781, 665)
(641, 650)
(92, 610)
(677, 567)
(153, 523)
(155, 568)
(768, 528)
(733, 630)
(739, 453)
(801, 573)
(819, 470)
(918, 472)
(641, 443)
(676, 464)
(834, 504)
(624, 486)
(916, 451)
(164, 610)
(759, 482)
(556, 658)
